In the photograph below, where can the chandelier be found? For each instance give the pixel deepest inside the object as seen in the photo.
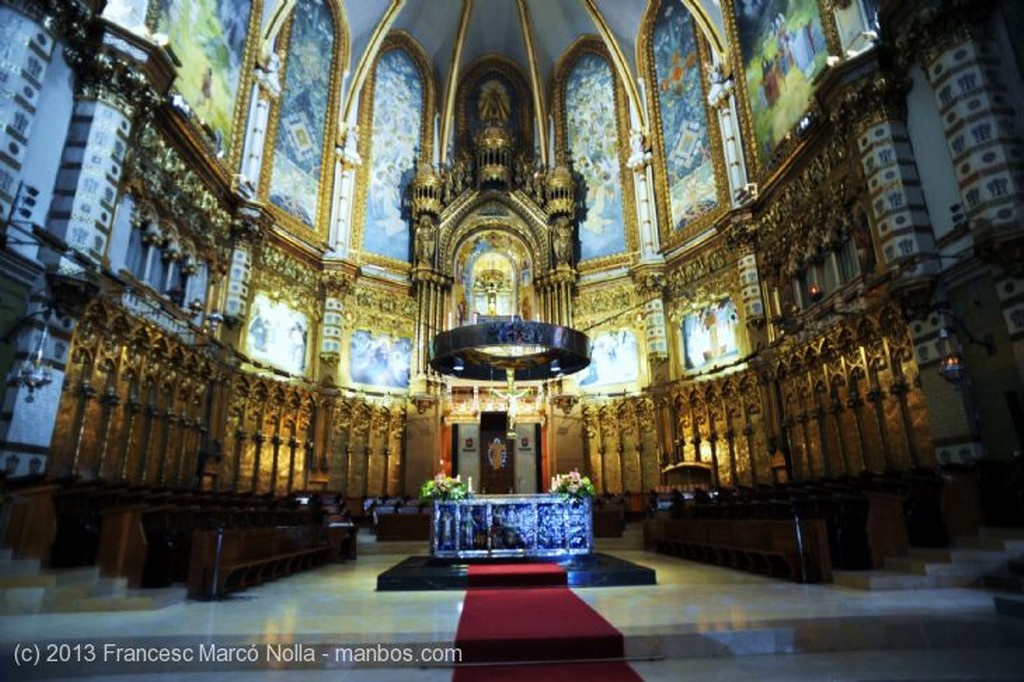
(34, 372)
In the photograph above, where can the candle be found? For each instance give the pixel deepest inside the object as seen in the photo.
(469, 483)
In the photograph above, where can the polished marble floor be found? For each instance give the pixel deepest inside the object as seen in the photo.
(699, 622)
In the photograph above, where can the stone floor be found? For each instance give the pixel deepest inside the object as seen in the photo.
(699, 622)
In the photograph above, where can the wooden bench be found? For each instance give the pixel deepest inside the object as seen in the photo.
(249, 557)
(768, 546)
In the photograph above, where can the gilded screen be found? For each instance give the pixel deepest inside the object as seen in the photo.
(593, 147)
(684, 124)
(397, 117)
(379, 359)
(302, 122)
(783, 49)
(208, 36)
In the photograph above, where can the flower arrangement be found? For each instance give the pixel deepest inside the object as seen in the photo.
(572, 485)
(442, 487)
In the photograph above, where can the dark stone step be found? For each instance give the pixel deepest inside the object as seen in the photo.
(1006, 581)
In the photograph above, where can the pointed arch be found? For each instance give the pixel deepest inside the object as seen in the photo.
(298, 180)
(592, 123)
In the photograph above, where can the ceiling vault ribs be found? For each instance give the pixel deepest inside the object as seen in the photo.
(370, 56)
(451, 86)
(540, 108)
(625, 74)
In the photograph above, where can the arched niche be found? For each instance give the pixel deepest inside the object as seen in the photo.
(493, 277)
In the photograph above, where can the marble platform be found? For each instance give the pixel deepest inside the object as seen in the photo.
(434, 573)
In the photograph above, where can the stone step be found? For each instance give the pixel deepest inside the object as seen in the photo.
(27, 580)
(21, 600)
(1009, 605)
(135, 600)
(955, 554)
(1003, 532)
(968, 569)
(11, 567)
(882, 580)
(991, 542)
(1005, 581)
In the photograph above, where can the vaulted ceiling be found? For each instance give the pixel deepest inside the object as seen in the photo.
(533, 34)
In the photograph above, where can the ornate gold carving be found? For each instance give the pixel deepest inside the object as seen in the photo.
(157, 174)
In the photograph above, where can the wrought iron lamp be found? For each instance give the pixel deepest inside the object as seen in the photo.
(34, 372)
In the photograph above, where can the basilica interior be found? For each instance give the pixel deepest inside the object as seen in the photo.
(718, 252)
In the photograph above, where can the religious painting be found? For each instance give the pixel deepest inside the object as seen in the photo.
(684, 122)
(398, 98)
(379, 359)
(614, 359)
(277, 334)
(783, 48)
(593, 147)
(302, 120)
(711, 335)
(208, 36)
(493, 102)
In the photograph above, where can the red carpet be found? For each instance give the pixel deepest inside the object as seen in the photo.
(515, 575)
(502, 629)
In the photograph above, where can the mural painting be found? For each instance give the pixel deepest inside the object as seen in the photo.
(783, 49)
(208, 36)
(593, 147)
(379, 359)
(614, 359)
(711, 335)
(277, 335)
(397, 114)
(684, 124)
(298, 153)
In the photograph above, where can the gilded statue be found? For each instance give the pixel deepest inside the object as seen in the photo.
(426, 238)
(561, 240)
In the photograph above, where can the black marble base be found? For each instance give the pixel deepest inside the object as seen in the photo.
(432, 573)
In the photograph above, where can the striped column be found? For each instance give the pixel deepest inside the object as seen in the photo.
(898, 216)
(238, 281)
(977, 114)
(85, 194)
(25, 52)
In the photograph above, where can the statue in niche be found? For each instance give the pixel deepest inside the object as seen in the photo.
(426, 238)
(494, 105)
(561, 240)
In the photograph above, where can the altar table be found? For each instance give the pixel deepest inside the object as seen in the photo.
(482, 526)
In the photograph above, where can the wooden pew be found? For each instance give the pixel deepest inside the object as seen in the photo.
(788, 549)
(251, 556)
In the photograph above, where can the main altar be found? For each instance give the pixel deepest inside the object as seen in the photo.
(495, 526)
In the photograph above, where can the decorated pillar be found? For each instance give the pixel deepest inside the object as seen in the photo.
(722, 98)
(897, 212)
(28, 49)
(348, 161)
(265, 91)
